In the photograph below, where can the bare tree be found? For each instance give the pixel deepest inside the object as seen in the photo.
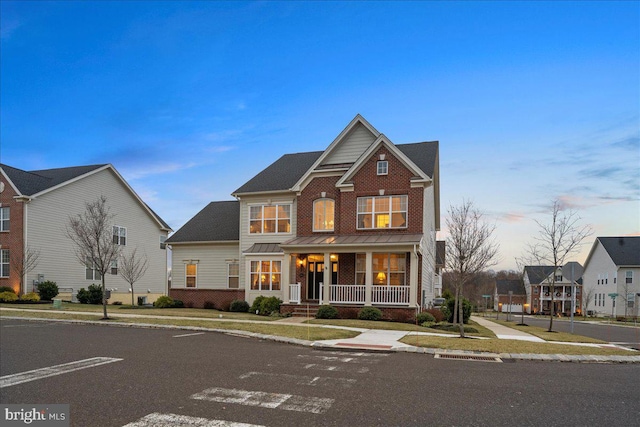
(555, 242)
(471, 249)
(132, 267)
(587, 296)
(92, 233)
(25, 262)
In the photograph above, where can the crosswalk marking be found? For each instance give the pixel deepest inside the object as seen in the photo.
(188, 335)
(36, 374)
(356, 354)
(287, 402)
(305, 380)
(317, 367)
(161, 420)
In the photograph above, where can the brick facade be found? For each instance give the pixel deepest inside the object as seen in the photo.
(12, 239)
(220, 299)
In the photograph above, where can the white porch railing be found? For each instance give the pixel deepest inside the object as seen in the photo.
(294, 293)
(390, 295)
(353, 294)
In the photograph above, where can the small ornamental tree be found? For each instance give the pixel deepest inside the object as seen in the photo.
(132, 267)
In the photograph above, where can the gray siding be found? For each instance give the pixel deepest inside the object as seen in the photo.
(351, 147)
(212, 260)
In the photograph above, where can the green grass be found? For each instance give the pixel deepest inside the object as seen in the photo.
(510, 346)
(396, 326)
(549, 336)
(291, 331)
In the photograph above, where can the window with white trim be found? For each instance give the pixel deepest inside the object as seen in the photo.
(4, 218)
(119, 235)
(91, 271)
(628, 277)
(382, 212)
(323, 215)
(190, 275)
(113, 267)
(361, 268)
(233, 275)
(272, 219)
(389, 269)
(266, 275)
(4, 262)
(383, 167)
(163, 239)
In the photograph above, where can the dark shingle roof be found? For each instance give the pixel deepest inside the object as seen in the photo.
(504, 286)
(32, 182)
(622, 250)
(538, 273)
(288, 169)
(218, 221)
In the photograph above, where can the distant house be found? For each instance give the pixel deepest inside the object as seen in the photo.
(353, 225)
(538, 281)
(613, 267)
(35, 207)
(509, 296)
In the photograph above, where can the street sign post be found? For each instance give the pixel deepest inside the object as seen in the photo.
(486, 303)
(613, 296)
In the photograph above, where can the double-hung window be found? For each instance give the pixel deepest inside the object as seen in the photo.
(114, 267)
(119, 235)
(4, 262)
(383, 167)
(382, 212)
(270, 219)
(233, 275)
(628, 277)
(323, 215)
(191, 274)
(265, 275)
(389, 269)
(4, 218)
(91, 271)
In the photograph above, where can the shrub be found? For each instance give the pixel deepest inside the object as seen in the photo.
(209, 305)
(7, 289)
(437, 314)
(31, 297)
(7, 296)
(369, 313)
(91, 296)
(425, 317)
(255, 307)
(116, 303)
(164, 302)
(327, 312)
(450, 327)
(266, 305)
(47, 290)
(239, 306)
(178, 304)
(447, 310)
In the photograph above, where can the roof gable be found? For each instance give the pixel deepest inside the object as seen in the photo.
(216, 222)
(538, 273)
(624, 251)
(351, 146)
(29, 183)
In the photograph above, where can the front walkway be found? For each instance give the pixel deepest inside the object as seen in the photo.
(505, 332)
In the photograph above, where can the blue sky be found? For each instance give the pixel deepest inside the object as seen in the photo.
(188, 100)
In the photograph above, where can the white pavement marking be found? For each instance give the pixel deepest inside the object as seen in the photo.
(36, 374)
(288, 402)
(305, 380)
(317, 367)
(337, 359)
(357, 354)
(188, 335)
(161, 420)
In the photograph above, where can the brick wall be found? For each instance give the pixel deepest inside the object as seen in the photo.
(196, 298)
(13, 239)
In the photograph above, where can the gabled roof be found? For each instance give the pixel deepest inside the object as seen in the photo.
(623, 251)
(538, 273)
(504, 286)
(217, 222)
(29, 183)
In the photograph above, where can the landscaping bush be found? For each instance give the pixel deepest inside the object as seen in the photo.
(91, 296)
(163, 302)
(450, 327)
(436, 313)
(327, 312)
(239, 306)
(30, 297)
(447, 310)
(116, 303)
(178, 303)
(425, 317)
(7, 296)
(7, 289)
(369, 313)
(266, 305)
(209, 305)
(47, 290)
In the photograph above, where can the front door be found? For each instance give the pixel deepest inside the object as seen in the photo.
(314, 278)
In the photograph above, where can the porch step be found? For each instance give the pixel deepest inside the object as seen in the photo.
(302, 311)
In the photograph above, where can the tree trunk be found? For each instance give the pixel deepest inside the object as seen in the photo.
(461, 315)
(552, 308)
(132, 296)
(455, 306)
(104, 300)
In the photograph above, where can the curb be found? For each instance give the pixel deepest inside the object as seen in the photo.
(319, 345)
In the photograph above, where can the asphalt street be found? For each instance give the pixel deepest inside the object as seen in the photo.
(156, 375)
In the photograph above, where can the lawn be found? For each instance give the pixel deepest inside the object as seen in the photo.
(549, 336)
(397, 326)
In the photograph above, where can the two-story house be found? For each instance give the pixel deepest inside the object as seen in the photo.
(35, 207)
(613, 268)
(545, 285)
(352, 225)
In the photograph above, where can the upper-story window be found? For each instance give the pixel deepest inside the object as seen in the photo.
(382, 212)
(91, 271)
(383, 167)
(119, 235)
(558, 278)
(4, 218)
(270, 219)
(629, 276)
(323, 215)
(163, 239)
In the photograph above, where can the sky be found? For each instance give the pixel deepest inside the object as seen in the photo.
(530, 101)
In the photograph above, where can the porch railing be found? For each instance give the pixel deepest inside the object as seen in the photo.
(390, 295)
(353, 294)
(294, 293)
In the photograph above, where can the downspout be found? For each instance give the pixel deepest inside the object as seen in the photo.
(418, 305)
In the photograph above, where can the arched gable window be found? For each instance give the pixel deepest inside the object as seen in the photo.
(323, 214)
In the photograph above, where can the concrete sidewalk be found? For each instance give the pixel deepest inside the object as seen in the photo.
(505, 332)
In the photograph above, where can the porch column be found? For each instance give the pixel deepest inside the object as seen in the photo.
(413, 279)
(368, 278)
(284, 277)
(327, 277)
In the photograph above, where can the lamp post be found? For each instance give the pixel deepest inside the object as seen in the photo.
(499, 310)
(524, 307)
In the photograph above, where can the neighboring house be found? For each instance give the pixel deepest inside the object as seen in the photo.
(613, 267)
(35, 207)
(352, 225)
(509, 296)
(538, 280)
(440, 265)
